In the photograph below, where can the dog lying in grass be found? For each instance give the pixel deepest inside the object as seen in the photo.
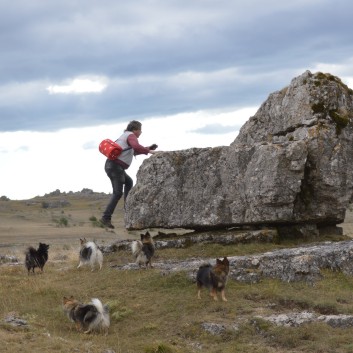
(143, 250)
(36, 257)
(214, 278)
(87, 317)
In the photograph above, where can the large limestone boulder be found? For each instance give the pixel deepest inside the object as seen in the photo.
(292, 163)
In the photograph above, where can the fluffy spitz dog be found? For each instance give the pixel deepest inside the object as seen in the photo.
(214, 278)
(36, 257)
(143, 250)
(87, 317)
(90, 254)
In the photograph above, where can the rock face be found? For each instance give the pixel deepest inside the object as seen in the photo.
(291, 164)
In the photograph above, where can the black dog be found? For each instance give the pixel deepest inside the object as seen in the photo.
(36, 258)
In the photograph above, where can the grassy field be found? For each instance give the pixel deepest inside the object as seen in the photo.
(150, 311)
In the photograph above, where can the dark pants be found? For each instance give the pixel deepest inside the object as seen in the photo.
(118, 178)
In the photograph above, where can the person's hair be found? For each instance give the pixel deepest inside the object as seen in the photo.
(134, 125)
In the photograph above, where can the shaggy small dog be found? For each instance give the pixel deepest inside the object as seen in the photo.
(214, 278)
(143, 250)
(90, 254)
(36, 258)
(87, 317)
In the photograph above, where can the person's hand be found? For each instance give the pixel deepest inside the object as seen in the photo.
(153, 147)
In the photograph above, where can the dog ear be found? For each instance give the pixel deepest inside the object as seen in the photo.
(218, 261)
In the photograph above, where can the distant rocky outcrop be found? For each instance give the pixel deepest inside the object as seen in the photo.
(83, 192)
(290, 166)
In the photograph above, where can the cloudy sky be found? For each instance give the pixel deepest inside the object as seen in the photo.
(75, 72)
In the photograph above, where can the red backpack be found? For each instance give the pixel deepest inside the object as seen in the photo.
(110, 149)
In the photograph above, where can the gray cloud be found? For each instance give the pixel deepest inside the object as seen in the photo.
(90, 145)
(158, 57)
(213, 129)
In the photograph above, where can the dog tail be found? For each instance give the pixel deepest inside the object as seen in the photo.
(136, 247)
(98, 304)
(205, 265)
(31, 258)
(90, 245)
(103, 311)
(100, 258)
(31, 251)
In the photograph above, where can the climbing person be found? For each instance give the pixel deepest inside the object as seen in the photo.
(116, 169)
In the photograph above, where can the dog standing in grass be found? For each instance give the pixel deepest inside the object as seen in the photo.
(87, 317)
(90, 254)
(143, 250)
(36, 257)
(214, 278)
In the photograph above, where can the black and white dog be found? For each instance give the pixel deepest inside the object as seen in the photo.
(87, 317)
(90, 254)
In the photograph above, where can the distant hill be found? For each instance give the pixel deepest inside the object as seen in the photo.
(85, 192)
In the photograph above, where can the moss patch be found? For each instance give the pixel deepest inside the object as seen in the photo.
(318, 108)
(323, 77)
(341, 120)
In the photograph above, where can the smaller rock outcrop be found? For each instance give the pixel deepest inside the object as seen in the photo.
(295, 319)
(295, 264)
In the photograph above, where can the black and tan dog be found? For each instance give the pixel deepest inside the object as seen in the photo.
(36, 257)
(214, 278)
(87, 317)
(143, 250)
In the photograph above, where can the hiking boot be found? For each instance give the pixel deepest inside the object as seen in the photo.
(107, 223)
